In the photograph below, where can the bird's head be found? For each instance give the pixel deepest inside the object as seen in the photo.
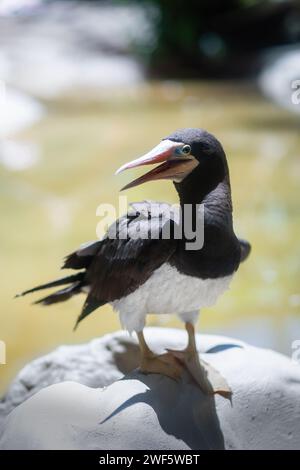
(184, 156)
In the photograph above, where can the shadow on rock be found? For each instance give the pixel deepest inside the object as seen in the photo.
(182, 410)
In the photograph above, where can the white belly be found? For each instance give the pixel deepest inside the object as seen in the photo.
(168, 291)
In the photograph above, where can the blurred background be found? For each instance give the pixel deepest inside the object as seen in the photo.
(88, 85)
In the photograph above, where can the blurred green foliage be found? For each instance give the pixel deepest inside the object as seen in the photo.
(216, 37)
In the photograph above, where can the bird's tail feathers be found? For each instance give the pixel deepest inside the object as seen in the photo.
(61, 295)
(91, 304)
(73, 279)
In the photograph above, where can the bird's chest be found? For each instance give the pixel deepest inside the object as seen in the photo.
(169, 291)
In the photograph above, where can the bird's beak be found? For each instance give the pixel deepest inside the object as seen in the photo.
(175, 166)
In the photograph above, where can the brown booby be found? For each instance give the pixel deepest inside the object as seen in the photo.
(140, 274)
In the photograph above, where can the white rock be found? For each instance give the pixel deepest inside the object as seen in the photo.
(95, 364)
(152, 411)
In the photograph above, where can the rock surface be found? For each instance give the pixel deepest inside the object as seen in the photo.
(86, 403)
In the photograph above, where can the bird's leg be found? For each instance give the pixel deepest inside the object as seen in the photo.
(207, 377)
(165, 364)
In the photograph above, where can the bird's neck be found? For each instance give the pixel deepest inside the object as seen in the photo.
(218, 205)
(216, 198)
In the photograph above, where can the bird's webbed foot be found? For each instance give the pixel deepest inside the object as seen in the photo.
(165, 364)
(209, 379)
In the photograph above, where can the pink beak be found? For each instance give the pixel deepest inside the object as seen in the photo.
(173, 164)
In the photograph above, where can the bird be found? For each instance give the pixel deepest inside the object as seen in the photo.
(144, 264)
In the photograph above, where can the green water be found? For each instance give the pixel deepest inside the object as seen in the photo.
(50, 208)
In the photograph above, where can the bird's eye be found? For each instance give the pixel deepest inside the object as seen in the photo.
(186, 149)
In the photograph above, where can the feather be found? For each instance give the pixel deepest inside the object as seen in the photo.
(245, 249)
(57, 282)
(89, 306)
(60, 295)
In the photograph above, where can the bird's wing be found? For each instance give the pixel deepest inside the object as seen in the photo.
(82, 258)
(129, 253)
(245, 249)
